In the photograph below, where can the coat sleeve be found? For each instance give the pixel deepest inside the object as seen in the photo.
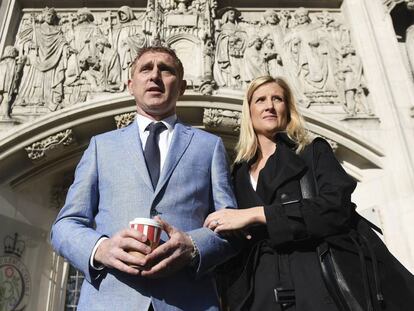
(328, 213)
(73, 235)
(213, 248)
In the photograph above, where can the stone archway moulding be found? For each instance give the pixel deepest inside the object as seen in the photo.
(65, 133)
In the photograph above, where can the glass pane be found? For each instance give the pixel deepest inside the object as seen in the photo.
(73, 287)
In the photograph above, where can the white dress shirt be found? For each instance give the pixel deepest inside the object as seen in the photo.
(164, 141)
(164, 138)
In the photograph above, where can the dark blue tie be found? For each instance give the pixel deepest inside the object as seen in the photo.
(152, 151)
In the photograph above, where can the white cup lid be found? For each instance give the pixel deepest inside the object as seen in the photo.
(145, 221)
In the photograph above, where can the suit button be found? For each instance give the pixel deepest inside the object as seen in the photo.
(283, 196)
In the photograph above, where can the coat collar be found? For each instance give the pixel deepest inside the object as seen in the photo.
(282, 166)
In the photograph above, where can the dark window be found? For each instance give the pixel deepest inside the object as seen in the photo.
(73, 287)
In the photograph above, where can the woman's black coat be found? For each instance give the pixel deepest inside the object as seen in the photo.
(282, 253)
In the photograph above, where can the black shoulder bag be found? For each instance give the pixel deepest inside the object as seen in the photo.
(332, 275)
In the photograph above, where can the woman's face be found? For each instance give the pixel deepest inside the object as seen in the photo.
(268, 110)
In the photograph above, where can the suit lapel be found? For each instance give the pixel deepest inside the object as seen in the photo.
(179, 143)
(133, 148)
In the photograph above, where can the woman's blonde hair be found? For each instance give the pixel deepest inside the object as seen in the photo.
(248, 145)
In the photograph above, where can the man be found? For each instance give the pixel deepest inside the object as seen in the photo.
(115, 182)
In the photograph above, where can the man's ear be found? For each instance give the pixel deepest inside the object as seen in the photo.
(130, 87)
(183, 86)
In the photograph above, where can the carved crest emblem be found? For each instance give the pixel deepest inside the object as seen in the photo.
(14, 277)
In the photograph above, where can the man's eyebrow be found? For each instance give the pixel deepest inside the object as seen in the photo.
(163, 65)
(150, 63)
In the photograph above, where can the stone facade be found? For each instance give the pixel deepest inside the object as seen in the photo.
(63, 76)
(65, 58)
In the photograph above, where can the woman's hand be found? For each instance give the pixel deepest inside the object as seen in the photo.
(234, 219)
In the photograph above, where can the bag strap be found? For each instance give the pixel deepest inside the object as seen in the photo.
(309, 184)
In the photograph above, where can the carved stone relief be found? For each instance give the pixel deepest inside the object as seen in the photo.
(39, 149)
(223, 119)
(124, 119)
(64, 58)
(67, 57)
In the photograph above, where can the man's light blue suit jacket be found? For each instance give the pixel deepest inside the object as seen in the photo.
(112, 186)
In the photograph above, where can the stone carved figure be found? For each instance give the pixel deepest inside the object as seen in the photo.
(84, 34)
(254, 62)
(208, 58)
(272, 58)
(332, 29)
(24, 36)
(82, 38)
(10, 70)
(273, 33)
(310, 55)
(127, 38)
(78, 88)
(354, 88)
(271, 28)
(42, 81)
(230, 46)
(109, 67)
(285, 19)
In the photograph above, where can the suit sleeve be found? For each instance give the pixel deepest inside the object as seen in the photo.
(73, 235)
(326, 214)
(213, 248)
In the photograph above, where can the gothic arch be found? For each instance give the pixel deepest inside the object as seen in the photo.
(41, 147)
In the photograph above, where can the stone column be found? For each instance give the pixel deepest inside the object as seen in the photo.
(393, 95)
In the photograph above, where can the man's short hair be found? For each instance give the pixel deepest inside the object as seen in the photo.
(159, 49)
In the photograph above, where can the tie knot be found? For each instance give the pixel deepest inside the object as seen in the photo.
(156, 127)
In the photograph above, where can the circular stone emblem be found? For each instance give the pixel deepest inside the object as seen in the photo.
(14, 284)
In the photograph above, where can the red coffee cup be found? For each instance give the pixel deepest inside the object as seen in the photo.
(149, 227)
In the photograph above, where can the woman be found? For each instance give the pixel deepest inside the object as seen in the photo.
(278, 268)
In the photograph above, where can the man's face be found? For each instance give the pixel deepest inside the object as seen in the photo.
(156, 85)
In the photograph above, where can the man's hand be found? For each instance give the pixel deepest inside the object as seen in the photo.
(113, 252)
(171, 256)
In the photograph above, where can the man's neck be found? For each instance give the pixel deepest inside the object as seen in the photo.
(155, 117)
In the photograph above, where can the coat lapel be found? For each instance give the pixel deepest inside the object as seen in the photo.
(282, 166)
(133, 147)
(179, 143)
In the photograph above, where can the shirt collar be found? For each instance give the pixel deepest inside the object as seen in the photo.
(143, 122)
